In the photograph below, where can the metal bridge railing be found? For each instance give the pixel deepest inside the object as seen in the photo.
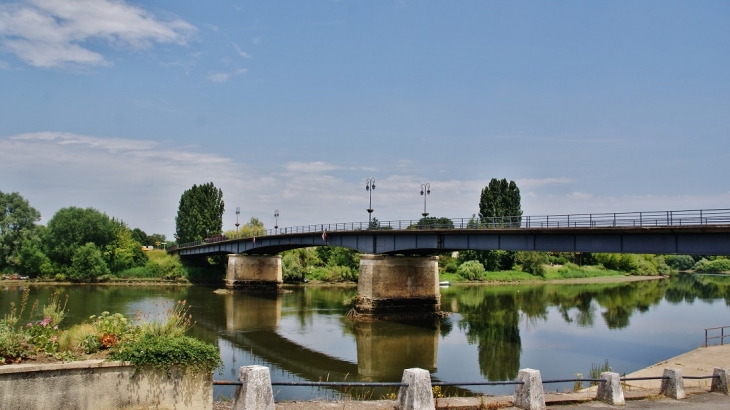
(699, 217)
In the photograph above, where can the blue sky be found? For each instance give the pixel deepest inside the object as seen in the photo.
(590, 106)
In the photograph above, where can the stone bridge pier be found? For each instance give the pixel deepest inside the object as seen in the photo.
(398, 285)
(254, 272)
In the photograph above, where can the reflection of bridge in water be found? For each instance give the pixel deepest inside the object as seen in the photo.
(384, 349)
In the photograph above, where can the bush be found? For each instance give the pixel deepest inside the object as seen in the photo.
(718, 265)
(87, 264)
(533, 262)
(163, 352)
(471, 270)
(680, 262)
(451, 267)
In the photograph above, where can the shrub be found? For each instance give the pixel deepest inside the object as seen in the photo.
(680, 262)
(718, 265)
(451, 267)
(533, 262)
(163, 352)
(87, 264)
(471, 270)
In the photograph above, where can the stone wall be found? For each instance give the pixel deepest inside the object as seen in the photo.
(99, 385)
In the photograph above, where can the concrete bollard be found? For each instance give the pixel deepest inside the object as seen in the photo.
(256, 392)
(719, 381)
(529, 396)
(417, 394)
(610, 391)
(674, 386)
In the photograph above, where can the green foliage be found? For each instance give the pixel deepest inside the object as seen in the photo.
(431, 222)
(159, 265)
(533, 262)
(471, 270)
(634, 264)
(200, 214)
(716, 266)
(680, 262)
(71, 228)
(17, 223)
(32, 261)
(87, 264)
(334, 274)
(162, 344)
(492, 260)
(163, 352)
(125, 252)
(296, 263)
(500, 204)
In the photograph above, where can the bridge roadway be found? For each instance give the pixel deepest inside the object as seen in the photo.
(683, 240)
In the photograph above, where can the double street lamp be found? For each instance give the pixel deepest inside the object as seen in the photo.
(370, 186)
(425, 191)
(276, 216)
(238, 212)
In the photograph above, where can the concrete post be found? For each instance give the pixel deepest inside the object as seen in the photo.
(719, 381)
(256, 392)
(610, 391)
(529, 396)
(417, 394)
(674, 386)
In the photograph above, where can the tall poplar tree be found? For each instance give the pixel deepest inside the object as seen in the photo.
(500, 204)
(200, 214)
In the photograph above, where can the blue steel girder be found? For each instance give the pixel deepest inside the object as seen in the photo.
(702, 240)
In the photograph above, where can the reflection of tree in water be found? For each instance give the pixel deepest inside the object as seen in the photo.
(491, 315)
(688, 288)
(493, 324)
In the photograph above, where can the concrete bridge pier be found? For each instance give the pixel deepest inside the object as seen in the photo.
(398, 285)
(254, 272)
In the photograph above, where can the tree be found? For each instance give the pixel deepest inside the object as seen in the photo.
(87, 264)
(500, 204)
(72, 227)
(140, 236)
(17, 222)
(125, 252)
(200, 214)
(431, 222)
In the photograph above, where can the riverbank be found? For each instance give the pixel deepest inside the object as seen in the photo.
(639, 394)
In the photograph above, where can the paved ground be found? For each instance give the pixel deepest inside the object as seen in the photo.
(639, 394)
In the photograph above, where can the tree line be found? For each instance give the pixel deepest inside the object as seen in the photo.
(81, 244)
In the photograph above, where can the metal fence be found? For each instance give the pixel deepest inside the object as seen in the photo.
(699, 217)
(722, 336)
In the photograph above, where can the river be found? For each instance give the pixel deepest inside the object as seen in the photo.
(491, 333)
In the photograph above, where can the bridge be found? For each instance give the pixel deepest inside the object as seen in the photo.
(400, 253)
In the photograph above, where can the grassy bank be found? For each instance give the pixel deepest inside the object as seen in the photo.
(551, 273)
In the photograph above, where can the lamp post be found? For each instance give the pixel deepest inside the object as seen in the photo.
(425, 191)
(276, 216)
(370, 186)
(238, 212)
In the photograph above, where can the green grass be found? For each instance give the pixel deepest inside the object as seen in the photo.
(551, 273)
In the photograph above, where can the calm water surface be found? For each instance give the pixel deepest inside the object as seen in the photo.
(492, 332)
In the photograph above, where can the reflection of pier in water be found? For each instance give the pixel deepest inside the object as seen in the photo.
(384, 349)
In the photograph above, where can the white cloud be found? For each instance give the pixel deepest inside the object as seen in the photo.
(223, 77)
(141, 181)
(317, 166)
(241, 52)
(53, 33)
